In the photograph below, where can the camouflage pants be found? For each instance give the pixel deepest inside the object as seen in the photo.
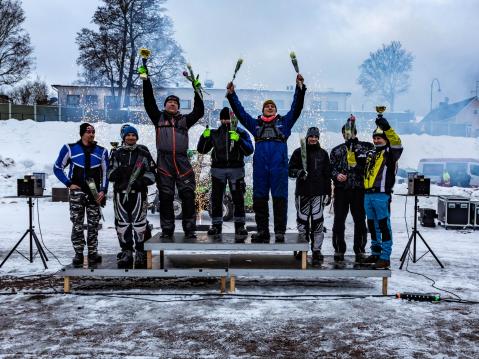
(130, 220)
(78, 205)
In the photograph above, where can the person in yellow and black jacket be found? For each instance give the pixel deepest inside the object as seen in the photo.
(379, 176)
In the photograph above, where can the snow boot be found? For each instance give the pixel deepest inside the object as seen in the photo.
(382, 264)
(140, 260)
(279, 237)
(94, 259)
(215, 230)
(190, 235)
(126, 260)
(240, 230)
(317, 259)
(166, 234)
(359, 258)
(260, 237)
(78, 260)
(373, 258)
(338, 257)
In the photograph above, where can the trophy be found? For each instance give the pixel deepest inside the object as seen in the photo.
(380, 110)
(142, 70)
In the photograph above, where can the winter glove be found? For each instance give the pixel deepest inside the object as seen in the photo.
(327, 200)
(206, 133)
(234, 136)
(143, 72)
(302, 174)
(382, 123)
(196, 84)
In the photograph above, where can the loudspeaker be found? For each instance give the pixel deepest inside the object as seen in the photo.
(26, 187)
(453, 211)
(474, 213)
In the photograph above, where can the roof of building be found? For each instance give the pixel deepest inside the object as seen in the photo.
(445, 111)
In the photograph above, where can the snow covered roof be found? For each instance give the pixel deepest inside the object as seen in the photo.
(446, 111)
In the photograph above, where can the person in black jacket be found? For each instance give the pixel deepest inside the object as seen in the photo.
(227, 165)
(132, 169)
(173, 165)
(348, 181)
(313, 190)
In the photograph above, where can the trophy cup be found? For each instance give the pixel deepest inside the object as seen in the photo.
(380, 110)
(142, 70)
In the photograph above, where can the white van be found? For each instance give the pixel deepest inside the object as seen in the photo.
(464, 172)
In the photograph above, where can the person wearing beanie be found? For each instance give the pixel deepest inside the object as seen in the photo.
(88, 163)
(173, 166)
(380, 166)
(347, 176)
(132, 170)
(270, 162)
(313, 191)
(228, 146)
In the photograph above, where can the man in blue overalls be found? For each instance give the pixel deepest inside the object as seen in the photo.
(270, 160)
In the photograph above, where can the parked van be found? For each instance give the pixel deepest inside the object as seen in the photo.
(463, 172)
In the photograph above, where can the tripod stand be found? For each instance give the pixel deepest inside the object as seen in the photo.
(412, 239)
(33, 237)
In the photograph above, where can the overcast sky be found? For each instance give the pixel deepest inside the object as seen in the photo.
(331, 39)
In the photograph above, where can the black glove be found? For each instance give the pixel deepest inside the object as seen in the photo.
(302, 174)
(382, 123)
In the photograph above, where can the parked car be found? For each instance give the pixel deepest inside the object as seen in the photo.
(463, 172)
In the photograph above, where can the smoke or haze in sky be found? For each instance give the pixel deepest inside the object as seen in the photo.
(330, 38)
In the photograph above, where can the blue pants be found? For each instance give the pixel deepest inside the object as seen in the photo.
(379, 224)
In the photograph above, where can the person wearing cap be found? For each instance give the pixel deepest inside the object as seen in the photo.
(270, 161)
(173, 165)
(313, 191)
(379, 177)
(132, 170)
(348, 181)
(229, 147)
(87, 161)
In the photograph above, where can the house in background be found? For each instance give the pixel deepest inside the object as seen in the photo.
(455, 119)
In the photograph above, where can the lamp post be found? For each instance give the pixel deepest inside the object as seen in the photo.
(438, 90)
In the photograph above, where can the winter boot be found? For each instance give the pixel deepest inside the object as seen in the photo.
(317, 258)
(190, 235)
(94, 259)
(373, 258)
(382, 264)
(78, 260)
(279, 237)
(359, 258)
(126, 260)
(260, 237)
(166, 234)
(215, 230)
(140, 260)
(240, 230)
(338, 257)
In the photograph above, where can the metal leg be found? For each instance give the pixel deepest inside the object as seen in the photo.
(14, 248)
(40, 250)
(406, 250)
(430, 250)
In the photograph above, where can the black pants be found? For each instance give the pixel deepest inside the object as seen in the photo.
(261, 210)
(237, 190)
(345, 200)
(186, 191)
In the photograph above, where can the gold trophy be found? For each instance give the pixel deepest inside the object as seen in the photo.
(380, 110)
(142, 70)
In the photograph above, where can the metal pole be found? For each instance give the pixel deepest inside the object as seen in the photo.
(9, 109)
(438, 90)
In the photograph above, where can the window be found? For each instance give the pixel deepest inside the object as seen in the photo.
(185, 104)
(209, 104)
(432, 169)
(91, 100)
(109, 102)
(73, 100)
(474, 170)
(456, 168)
(332, 105)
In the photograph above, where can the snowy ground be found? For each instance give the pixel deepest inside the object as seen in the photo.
(182, 318)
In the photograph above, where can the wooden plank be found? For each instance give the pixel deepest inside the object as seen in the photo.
(304, 255)
(232, 284)
(149, 260)
(385, 285)
(223, 284)
(66, 284)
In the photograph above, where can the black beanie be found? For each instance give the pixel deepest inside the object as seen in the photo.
(379, 133)
(172, 98)
(225, 113)
(83, 128)
(343, 129)
(312, 131)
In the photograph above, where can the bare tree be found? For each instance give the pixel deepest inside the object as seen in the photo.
(30, 93)
(110, 55)
(386, 72)
(16, 59)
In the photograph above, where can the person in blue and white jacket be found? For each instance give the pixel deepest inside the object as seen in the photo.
(87, 162)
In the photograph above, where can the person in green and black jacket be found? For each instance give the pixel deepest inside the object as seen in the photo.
(229, 147)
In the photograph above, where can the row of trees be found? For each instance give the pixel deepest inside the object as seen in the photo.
(108, 55)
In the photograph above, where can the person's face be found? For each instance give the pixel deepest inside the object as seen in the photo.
(348, 135)
(171, 106)
(379, 141)
(269, 110)
(130, 139)
(313, 140)
(89, 135)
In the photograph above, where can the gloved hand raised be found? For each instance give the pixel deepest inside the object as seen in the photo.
(196, 84)
(143, 72)
(206, 133)
(382, 123)
(234, 136)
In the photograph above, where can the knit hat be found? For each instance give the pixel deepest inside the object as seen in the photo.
(172, 98)
(84, 127)
(225, 113)
(312, 131)
(379, 133)
(268, 102)
(128, 129)
(343, 129)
